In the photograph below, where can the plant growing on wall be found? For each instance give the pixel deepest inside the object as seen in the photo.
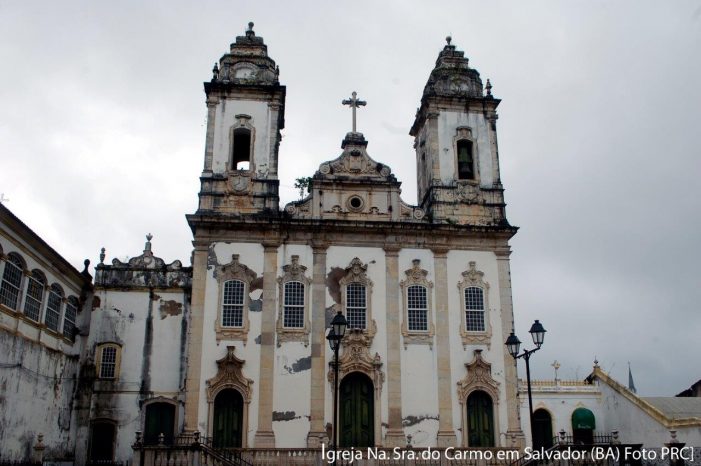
(303, 184)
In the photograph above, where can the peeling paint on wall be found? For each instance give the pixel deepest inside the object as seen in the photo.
(257, 340)
(170, 308)
(212, 261)
(409, 421)
(255, 305)
(286, 416)
(329, 314)
(257, 284)
(333, 285)
(303, 364)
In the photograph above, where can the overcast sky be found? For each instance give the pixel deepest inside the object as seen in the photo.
(102, 125)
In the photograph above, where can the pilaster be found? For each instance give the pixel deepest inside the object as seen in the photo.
(317, 431)
(514, 433)
(395, 433)
(446, 429)
(194, 351)
(212, 103)
(265, 437)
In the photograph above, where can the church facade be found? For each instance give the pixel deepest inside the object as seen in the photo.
(234, 347)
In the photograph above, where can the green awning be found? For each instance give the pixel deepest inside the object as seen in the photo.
(582, 418)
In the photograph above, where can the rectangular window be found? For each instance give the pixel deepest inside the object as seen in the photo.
(108, 362)
(356, 306)
(232, 304)
(53, 311)
(11, 281)
(417, 308)
(474, 309)
(35, 293)
(293, 311)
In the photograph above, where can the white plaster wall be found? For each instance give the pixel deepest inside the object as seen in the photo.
(122, 318)
(561, 403)
(419, 363)
(448, 122)
(251, 255)
(458, 262)
(225, 118)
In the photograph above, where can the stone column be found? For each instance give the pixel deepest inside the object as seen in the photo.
(194, 349)
(446, 430)
(265, 437)
(513, 432)
(317, 429)
(395, 432)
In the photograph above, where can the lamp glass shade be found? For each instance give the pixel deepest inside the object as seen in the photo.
(513, 344)
(339, 324)
(537, 332)
(333, 339)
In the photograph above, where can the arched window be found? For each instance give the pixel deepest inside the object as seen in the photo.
(69, 317)
(232, 304)
(108, 360)
(53, 307)
(466, 164)
(36, 284)
(11, 285)
(293, 312)
(356, 306)
(241, 158)
(474, 309)
(417, 308)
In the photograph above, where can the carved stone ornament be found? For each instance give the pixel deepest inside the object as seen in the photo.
(293, 272)
(417, 276)
(239, 182)
(475, 278)
(356, 272)
(355, 357)
(469, 193)
(230, 375)
(234, 270)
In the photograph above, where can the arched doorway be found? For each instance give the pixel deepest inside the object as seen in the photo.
(102, 437)
(542, 429)
(159, 419)
(228, 419)
(480, 420)
(356, 410)
(583, 425)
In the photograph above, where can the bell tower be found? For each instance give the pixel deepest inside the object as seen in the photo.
(245, 113)
(455, 137)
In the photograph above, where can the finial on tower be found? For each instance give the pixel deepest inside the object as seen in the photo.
(215, 72)
(249, 31)
(149, 237)
(102, 256)
(448, 39)
(489, 88)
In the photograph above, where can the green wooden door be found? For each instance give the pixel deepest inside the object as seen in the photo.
(228, 419)
(160, 419)
(480, 420)
(357, 417)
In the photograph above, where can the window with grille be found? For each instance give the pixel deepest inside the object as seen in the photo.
(356, 306)
(417, 308)
(69, 317)
(35, 295)
(232, 304)
(53, 307)
(108, 362)
(293, 311)
(474, 309)
(11, 282)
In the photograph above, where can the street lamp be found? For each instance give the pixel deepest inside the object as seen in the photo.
(513, 345)
(335, 335)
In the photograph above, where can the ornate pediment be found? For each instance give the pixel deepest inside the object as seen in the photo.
(230, 375)
(235, 270)
(355, 162)
(356, 272)
(479, 377)
(472, 276)
(294, 272)
(355, 357)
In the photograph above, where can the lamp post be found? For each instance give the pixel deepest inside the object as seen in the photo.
(335, 335)
(513, 344)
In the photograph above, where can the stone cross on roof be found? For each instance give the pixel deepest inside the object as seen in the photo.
(354, 103)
